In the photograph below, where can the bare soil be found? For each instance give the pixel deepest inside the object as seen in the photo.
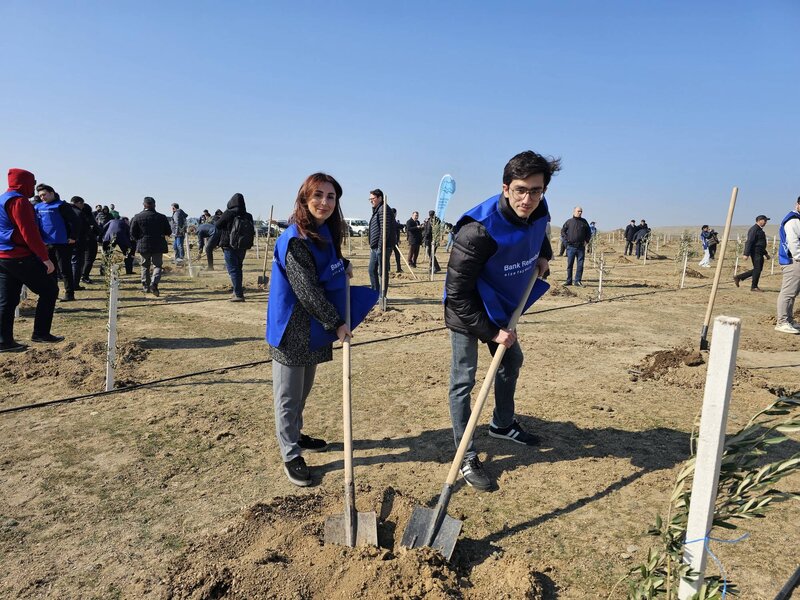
(175, 490)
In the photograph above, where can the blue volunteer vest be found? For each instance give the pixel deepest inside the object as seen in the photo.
(507, 273)
(784, 256)
(51, 223)
(6, 224)
(330, 270)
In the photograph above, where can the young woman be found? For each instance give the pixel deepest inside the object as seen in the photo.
(305, 313)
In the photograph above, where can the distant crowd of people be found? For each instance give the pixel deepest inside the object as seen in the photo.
(44, 240)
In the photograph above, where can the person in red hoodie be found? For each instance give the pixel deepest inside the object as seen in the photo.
(23, 261)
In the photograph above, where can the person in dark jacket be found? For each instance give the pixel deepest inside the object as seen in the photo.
(756, 248)
(630, 231)
(24, 260)
(117, 233)
(398, 228)
(497, 246)
(414, 237)
(429, 230)
(577, 234)
(205, 232)
(376, 241)
(149, 231)
(86, 245)
(640, 237)
(178, 223)
(306, 312)
(60, 228)
(234, 257)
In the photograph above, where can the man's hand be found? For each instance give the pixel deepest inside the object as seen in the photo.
(342, 332)
(48, 264)
(70, 241)
(767, 256)
(349, 271)
(506, 337)
(543, 265)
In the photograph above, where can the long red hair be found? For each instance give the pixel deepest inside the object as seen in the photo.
(305, 222)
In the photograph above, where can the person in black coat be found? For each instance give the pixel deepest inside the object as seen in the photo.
(756, 248)
(149, 230)
(577, 234)
(630, 232)
(86, 245)
(414, 237)
(234, 257)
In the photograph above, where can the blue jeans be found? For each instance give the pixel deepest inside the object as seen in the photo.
(463, 365)
(574, 252)
(374, 271)
(234, 259)
(177, 245)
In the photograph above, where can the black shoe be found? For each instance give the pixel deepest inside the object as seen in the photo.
(67, 298)
(48, 338)
(297, 472)
(87, 280)
(12, 347)
(578, 284)
(145, 289)
(473, 473)
(154, 290)
(311, 444)
(736, 280)
(566, 283)
(514, 433)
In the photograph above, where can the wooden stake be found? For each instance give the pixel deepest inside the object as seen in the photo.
(711, 441)
(685, 261)
(382, 278)
(718, 272)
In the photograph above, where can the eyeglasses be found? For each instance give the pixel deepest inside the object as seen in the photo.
(372, 198)
(520, 192)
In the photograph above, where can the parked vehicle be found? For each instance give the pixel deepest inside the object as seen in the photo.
(358, 227)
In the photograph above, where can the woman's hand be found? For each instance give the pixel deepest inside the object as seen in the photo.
(342, 332)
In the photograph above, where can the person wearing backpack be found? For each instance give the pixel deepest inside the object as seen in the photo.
(236, 236)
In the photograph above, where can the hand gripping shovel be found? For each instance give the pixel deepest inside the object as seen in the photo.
(434, 527)
(350, 528)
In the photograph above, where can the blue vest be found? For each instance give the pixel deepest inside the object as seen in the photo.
(331, 273)
(506, 274)
(51, 223)
(6, 224)
(784, 256)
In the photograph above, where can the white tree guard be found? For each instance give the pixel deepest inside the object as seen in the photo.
(111, 349)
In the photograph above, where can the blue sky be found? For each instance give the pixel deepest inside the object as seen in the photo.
(657, 109)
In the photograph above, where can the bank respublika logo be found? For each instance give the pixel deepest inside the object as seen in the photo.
(517, 268)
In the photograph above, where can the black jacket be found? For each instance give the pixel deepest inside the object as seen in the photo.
(413, 232)
(375, 226)
(630, 231)
(235, 208)
(148, 229)
(472, 248)
(90, 231)
(756, 244)
(576, 231)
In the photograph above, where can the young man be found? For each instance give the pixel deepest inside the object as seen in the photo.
(756, 248)
(149, 230)
(577, 233)
(705, 235)
(497, 246)
(23, 261)
(60, 229)
(376, 241)
(178, 225)
(414, 236)
(630, 231)
(789, 259)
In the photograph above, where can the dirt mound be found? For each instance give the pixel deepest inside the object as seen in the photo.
(277, 550)
(694, 274)
(658, 364)
(621, 259)
(560, 290)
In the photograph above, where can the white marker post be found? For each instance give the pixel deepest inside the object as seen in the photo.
(685, 261)
(257, 243)
(192, 272)
(600, 283)
(711, 441)
(111, 349)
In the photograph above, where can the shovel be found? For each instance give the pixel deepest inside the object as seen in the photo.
(350, 528)
(434, 527)
(263, 279)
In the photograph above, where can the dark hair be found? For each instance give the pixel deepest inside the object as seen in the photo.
(175, 205)
(377, 193)
(528, 163)
(305, 222)
(75, 199)
(149, 201)
(45, 187)
(704, 227)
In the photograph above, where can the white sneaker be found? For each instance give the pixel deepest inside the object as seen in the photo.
(795, 325)
(786, 328)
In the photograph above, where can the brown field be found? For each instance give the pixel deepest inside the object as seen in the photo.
(175, 490)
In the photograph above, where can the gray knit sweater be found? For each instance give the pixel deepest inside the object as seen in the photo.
(302, 273)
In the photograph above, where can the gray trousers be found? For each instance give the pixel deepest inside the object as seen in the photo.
(463, 365)
(157, 260)
(790, 287)
(290, 388)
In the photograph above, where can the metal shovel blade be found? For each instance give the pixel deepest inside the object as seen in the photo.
(418, 529)
(263, 279)
(366, 529)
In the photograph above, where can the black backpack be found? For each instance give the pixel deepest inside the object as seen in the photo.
(243, 233)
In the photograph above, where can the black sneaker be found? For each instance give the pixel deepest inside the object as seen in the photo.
(578, 284)
(145, 289)
(297, 472)
(311, 444)
(474, 475)
(154, 290)
(515, 433)
(48, 338)
(12, 347)
(87, 280)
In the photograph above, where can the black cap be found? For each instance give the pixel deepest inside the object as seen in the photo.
(759, 217)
